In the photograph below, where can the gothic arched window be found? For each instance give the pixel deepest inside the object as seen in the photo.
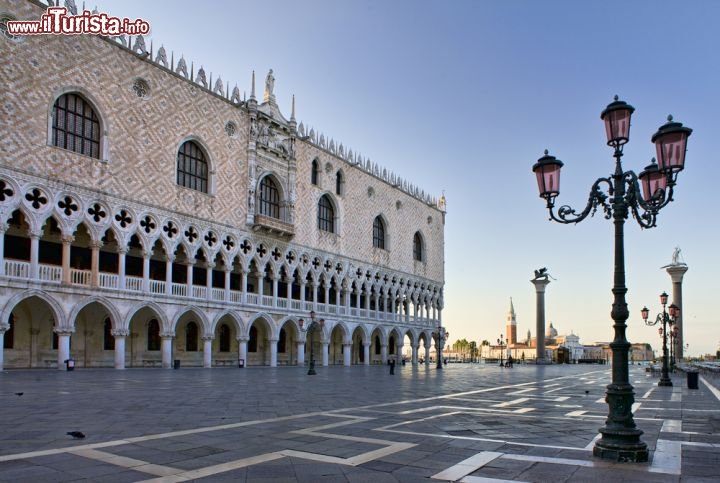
(418, 247)
(378, 233)
(191, 337)
(192, 168)
(326, 215)
(314, 170)
(75, 125)
(339, 183)
(269, 198)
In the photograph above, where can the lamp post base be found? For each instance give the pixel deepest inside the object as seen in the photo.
(665, 382)
(621, 445)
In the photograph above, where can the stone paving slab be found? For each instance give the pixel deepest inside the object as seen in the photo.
(467, 422)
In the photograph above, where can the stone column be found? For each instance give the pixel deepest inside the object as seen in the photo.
(168, 273)
(366, 353)
(398, 353)
(207, 351)
(347, 352)
(392, 306)
(275, 289)
(146, 270)
(415, 346)
(3, 229)
(540, 284)
(427, 353)
(34, 256)
(63, 346)
(95, 263)
(120, 335)
(676, 273)
(226, 283)
(167, 339)
(314, 286)
(242, 349)
(3, 328)
(208, 280)
(189, 276)
(260, 276)
(273, 352)
(301, 353)
(325, 354)
(243, 285)
(66, 244)
(122, 251)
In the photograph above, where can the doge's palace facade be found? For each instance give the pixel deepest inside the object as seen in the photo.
(149, 213)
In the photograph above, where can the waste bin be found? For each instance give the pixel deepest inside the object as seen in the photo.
(70, 365)
(176, 364)
(241, 363)
(692, 379)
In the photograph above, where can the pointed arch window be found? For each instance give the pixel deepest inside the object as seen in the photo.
(377, 345)
(224, 338)
(108, 338)
(314, 170)
(269, 198)
(418, 251)
(75, 125)
(339, 183)
(192, 167)
(191, 337)
(326, 215)
(153, 335)
(379, 233)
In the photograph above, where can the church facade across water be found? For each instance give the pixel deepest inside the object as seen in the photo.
(149, 213)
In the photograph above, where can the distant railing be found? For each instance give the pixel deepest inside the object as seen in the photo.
(79, 277)
(53, 273)
(50, 273)
(109, 280)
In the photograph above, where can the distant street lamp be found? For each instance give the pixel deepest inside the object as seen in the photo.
(674, 333)
(310, 330)
(666, 317)
(502, 343)
(440, 337)
(620, 439)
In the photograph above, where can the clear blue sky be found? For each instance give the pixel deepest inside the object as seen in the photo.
(464, 96)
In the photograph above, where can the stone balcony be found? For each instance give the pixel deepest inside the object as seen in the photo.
(273, 226)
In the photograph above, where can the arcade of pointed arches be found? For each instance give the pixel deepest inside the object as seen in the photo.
(98, 333)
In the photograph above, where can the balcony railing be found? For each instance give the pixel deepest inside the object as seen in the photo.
(273, 226)
(20, 269)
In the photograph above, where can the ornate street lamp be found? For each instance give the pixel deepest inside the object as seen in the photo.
(440, 337)
(666, 317)
(502, 343)
(310, 329)
(620, 439)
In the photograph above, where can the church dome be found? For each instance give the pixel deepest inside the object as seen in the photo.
(551, 333)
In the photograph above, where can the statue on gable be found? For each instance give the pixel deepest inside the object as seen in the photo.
(269, 86)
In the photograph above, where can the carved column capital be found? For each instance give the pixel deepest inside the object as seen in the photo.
(120, 332)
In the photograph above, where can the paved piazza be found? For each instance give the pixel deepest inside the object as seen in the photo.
(469, 423)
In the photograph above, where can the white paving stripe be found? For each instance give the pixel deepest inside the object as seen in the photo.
(666, 458)
(672, 426)
(601, 400)
(545, 459)
(523, 391)
(131, 463)
(524, 410)
(561, 398)
(511, 403)
(467, 466)
(575, 413)
(647, 394)
(215, 469)
(712, 388)
(480, 479)
(635, 407)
